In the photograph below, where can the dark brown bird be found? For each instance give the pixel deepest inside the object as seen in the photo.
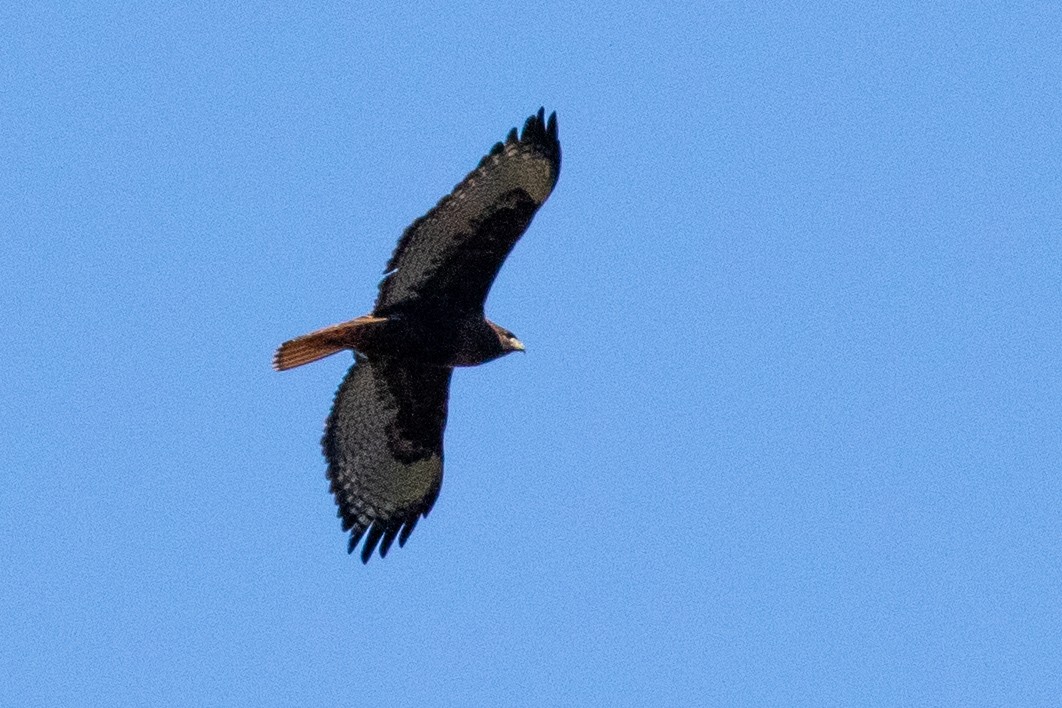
(383, 438)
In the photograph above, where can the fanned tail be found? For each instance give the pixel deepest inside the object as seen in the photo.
(324, 342)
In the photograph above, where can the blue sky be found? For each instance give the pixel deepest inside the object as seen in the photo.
(788, 427)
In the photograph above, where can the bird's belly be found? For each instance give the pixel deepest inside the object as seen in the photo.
(438, 344)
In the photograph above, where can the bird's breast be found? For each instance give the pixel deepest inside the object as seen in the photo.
(440, 341)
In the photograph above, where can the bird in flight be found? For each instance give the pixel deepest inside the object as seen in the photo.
(384, 436)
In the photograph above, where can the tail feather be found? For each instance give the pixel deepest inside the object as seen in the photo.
(324, 342)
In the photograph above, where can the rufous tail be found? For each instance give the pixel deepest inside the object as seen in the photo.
(324, 342)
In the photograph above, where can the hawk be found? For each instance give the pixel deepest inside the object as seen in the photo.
(384, 436)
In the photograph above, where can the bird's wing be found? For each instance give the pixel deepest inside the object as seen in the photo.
(384, 446)
(446, 260)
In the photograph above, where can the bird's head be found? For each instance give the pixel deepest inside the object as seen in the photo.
(508, 341)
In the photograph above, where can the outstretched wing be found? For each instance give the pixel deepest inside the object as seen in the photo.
(446, 260)
(384, 446)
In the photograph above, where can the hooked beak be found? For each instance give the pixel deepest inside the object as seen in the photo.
(517, 345)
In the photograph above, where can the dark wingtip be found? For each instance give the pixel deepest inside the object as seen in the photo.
(389, 538)
(407, 529)
(534, 127)
(382, 536)
(542, 132)
(355, 536)
(375, 533)
(538, 131)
